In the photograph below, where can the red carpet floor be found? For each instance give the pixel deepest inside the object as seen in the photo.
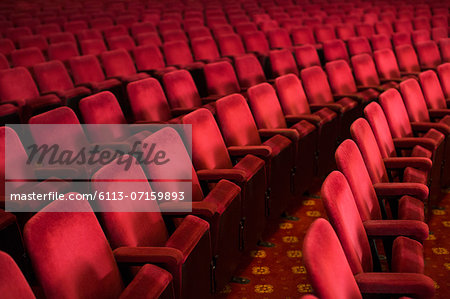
(279, 272)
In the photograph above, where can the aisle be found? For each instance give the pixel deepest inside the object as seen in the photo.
(279, 272)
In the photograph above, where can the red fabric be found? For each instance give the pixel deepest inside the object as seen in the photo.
(306, 56)
(148, 101)
(320, 238)
(282, 62)
(13, 283)
(221, 78)
(407, 256)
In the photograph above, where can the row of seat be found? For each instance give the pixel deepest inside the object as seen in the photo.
(235, 107)
(363, 205)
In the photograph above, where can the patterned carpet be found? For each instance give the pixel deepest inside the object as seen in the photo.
(278, 272)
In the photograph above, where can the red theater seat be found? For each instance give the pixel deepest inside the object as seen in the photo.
(92, 253)
(212, 163)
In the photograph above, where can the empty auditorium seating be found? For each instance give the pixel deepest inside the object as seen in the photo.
(295, 107)
(220, 205)
(18, 88)
(212, 163)
(52, 77)
(92, 253)
(242, 139)
(334, 50)
(387, 65)
(118, 64)
(221, 79)
(321, 238)
(178, 53)
(270, 119)
(282, 62)
(353, 233)
(343, 84)
(306, 56)
(358, 45)
(62, 51)
(366, 74)
(371, 205)
(249, 70)
(13, 283)
(444, 76)
(230, 45)
(428, 53)
(319, 94)
(27, 57)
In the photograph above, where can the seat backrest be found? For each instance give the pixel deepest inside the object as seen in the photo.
(324, 33)
(380, 128)
(92, 46)
(364, 30)
(358, 45)
(103, 108)
(117, 63)
(334, 50)
(345, 31)
(133, 229)
(37, 41)
(52, 76)
(386, 64)
(208, 148)
(396, 114)
(221, 78)
(27, 57)
(86, 69)
(428, 53)
(17, 84)
(177, 53)
(323, 254)
(444, 47)
(439, 33)
(365, 70)
(414, 101)
(148, 101)
(181, 90)
(142, 27)
(116, 30)
(350, 162)
(17, 157)
(343, 214)
(57, 134)
(121, 42)
(4, 63)
(365, 139)
(340, 77)
(432, 90)
(150, 38)
(303, 36)
(316, 85)
(141, 55)
(306, 56)
(87, 269)
(6, 46)
(279, 38)
(174, 35)
(256, 42)
(177, 169)
(230, 45)
(291, 95)
(62, 51)
(401, 38)
(265, 106)
(419, 36)
(403, 25)
(282, 62)
(249, 70)
(205, 48)
(60, 37)
(198, 32)
(407, 59)
(13, 283)
(380, 41)
(444, 78)
(236, 121)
